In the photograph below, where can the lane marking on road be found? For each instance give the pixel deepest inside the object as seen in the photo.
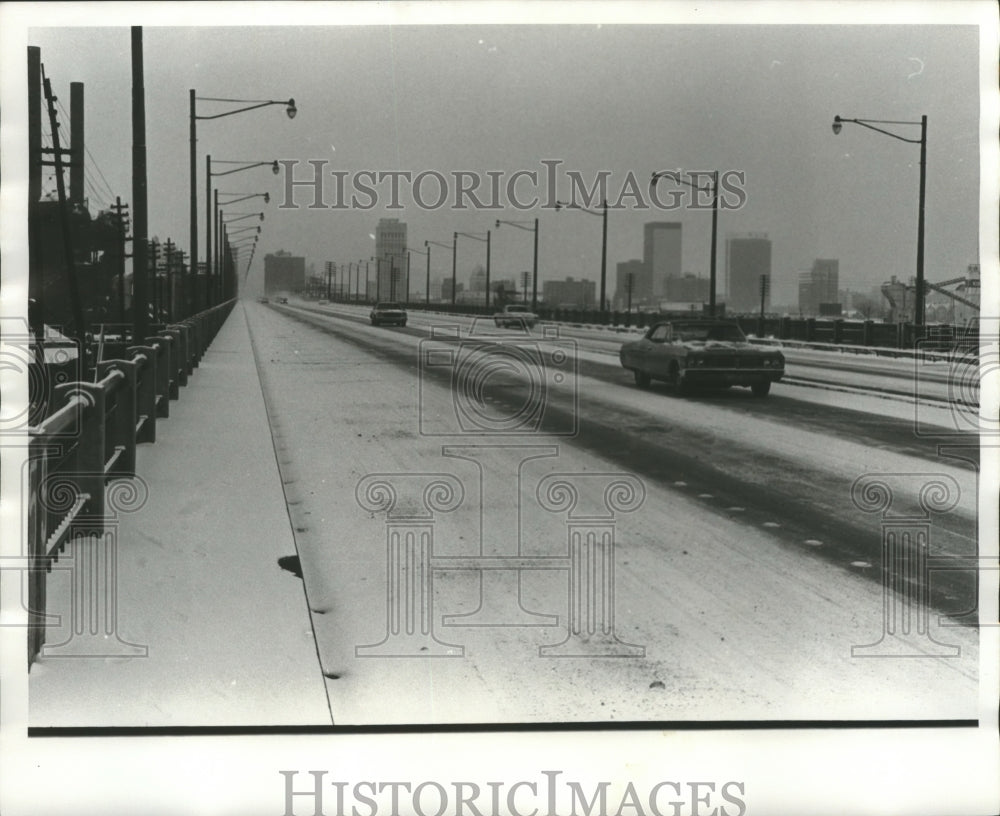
(813, 542)
(705, 496)
(771, 524)
(860, 563)
(736, 509)
(540, 343)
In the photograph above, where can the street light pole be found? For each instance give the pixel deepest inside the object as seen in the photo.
(534, 264)
(675, 176)
(251, 104)
(193, 138)
(454, 267)
(715, 242)
(209, 220)
(604, 259)
(604, 245)
(838, 121)
(534, 272)
(920, 223)
(209, 174)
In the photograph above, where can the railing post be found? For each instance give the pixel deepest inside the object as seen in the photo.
(866, 333)
(162, 347)
(86, 463)
(123, 420)
(38, 535)
(181, 331)
(838, 331)
(145, 358)
(176, 365)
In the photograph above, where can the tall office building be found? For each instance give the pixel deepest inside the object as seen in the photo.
(748, 256)
(661, 252)
(819, 288)
(390, 252)
(284, 272)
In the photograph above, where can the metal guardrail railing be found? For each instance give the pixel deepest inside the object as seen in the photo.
(91, 431)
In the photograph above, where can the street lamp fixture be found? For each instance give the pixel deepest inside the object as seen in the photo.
(247, 105)
(534, 267)
(675, 176)
(604, 243)
(871, 124)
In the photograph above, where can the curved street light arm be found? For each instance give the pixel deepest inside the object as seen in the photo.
(241, 217)
(675, 176)
(245, 197)
(518, 224)
(571, 206)
(247, 166)
(837, 120)
(290, 108)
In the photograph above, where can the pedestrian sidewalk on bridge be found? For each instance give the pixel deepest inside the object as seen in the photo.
(227, 632)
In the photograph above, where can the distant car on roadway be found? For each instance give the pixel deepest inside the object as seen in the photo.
(516, 315)
(262, 300)
(282, 300)
(322, 302)
(712, 353)
(383, 313)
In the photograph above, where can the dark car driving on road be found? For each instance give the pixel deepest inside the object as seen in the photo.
(391, 313)
(712, 353)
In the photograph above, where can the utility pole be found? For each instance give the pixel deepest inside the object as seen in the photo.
(534, 273)
(154, 257)
(36, 278)
(64, 220)
(170, 281)
(140, 298)
(121, 228)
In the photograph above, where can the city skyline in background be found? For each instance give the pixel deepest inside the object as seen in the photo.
(500, 98)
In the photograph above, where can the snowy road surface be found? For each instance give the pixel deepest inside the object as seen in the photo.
(606, 553)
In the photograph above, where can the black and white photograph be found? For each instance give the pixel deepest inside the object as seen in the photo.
(500, 409)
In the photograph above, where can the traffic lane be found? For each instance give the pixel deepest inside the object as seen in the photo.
(703, 594)
(793, 479)
(890, 432)
(915, 430)
(928, 378)
(703, 420)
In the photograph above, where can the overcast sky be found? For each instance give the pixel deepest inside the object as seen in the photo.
(620, 98)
